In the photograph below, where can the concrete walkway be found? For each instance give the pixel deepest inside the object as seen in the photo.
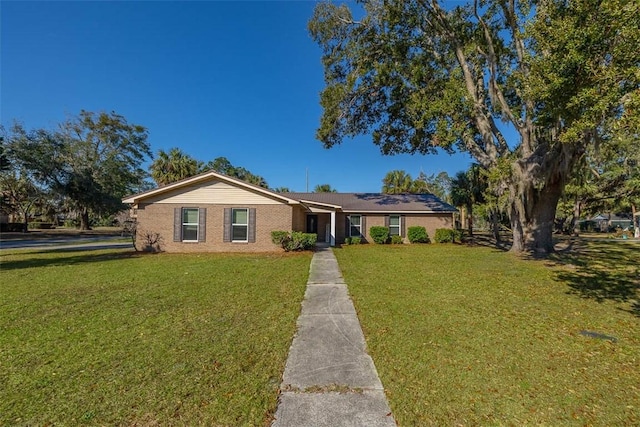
(329, 379)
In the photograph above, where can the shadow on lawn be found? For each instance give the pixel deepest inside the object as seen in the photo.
(64, 257)
(488, 240)
(602, 271)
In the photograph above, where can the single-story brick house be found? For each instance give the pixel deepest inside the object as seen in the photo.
(212, 212)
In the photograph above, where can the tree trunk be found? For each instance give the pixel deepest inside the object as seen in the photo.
(463, 217)
(532, 222)
(84, 220)
(575, 228)
(470, 220)
(495, 225)
(26, 222)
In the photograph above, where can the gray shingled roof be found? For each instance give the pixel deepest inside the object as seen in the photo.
(375, 202)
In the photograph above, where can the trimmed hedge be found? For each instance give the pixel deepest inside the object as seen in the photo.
(352, 240)
(294, 241)
(379, 234)
(418, 234)
(447, 235)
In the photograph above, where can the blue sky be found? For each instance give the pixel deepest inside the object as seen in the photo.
(234, 79)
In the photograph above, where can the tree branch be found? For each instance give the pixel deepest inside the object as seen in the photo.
(525, 129)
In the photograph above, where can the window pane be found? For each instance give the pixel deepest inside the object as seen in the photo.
(189, 232)
(394, 220)
(240, 216)
(355, 232)
(394, 231)
(239, 232)
(355, 219)
(190, 216)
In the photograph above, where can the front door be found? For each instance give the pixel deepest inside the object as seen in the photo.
(312, 224)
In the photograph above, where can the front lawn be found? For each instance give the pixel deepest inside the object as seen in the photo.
(474, 336)
(116, 338)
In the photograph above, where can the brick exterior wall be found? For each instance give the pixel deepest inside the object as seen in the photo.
(429, 221)
(299, 219)
(158, 219)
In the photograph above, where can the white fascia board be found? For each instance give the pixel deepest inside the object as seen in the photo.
(326, 205)
(364, 212)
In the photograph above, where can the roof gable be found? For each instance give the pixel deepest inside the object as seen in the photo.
(203, 184)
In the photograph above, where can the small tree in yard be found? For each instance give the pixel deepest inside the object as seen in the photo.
(20, 195)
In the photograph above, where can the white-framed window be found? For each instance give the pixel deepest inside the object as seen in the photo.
(190, 224)
(240, 225)
(394, 225)
(355, 225)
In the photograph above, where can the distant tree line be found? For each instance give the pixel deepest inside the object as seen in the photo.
(81, 169)
(175, 165)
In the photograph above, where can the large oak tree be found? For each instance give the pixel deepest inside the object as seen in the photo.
(92, 160)
(421, 75)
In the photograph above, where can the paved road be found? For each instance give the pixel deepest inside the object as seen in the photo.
(65, 242)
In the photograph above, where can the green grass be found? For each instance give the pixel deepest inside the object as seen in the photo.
(115, 338)
(473, 336)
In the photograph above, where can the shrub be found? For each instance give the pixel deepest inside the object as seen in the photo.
(355, 240)
(40, 226)
(105, 221)
(13, 227)
(347, 240)
(418, 234)
(397, 240)
(294, 241)
(302, 241)
(150, 241)
(71, 223)
(447, 235)
(379, 234)
(279, 237)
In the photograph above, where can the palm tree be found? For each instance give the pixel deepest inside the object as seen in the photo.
(397, 182)
(467, 189)
(324, 188)
(281, 190)
(173, 166)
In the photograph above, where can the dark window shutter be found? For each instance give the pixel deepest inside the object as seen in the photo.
(347, 226)
(202, 225)
(403, 226)
(386, 221)
(252, 225)
(177, 224)
(226, 235)
(363, 227)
